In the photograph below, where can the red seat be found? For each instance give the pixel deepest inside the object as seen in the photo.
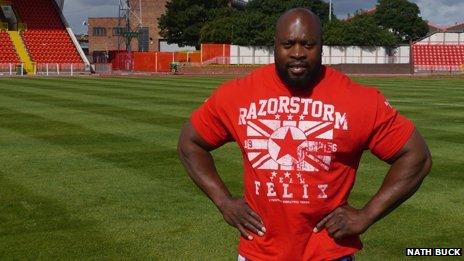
(7, 50)
(46, 37)
(437, 55)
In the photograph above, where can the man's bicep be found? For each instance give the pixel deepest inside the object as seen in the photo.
(390, 131)
(210, 120)
(190, 135)
(415, 145)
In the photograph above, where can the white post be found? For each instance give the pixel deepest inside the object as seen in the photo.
(201, 53)
(11, 69)
(329, 55)
(360, 54)
(345, 54)
(253, 53)
(223, 53)
(47, 68)
(330, 10)
(140, 11)
(238, 55)
(58, 69)
(268, 56)
(71, 69)
(22, 69)
(156, 62)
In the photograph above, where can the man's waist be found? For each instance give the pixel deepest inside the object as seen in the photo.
(297, 246)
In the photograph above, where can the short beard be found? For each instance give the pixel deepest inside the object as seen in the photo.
(302, 83)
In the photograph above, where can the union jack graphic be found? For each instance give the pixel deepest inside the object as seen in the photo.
(290, 145)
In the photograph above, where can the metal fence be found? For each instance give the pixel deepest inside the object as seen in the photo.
(61, 69)
(452, 69)
(10, 69)
(46, 69)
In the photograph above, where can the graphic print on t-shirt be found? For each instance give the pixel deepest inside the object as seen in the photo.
(287, 137)
(290, 145)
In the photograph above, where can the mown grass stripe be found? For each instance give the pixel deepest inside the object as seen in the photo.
(100, 196)
(38, 94)
(150, 86)
(129, 95)
(69, 122)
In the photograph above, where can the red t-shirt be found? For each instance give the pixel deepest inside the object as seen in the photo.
(300, 154)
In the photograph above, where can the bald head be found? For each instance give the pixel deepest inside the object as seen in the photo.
(297, 16)
(298, 48)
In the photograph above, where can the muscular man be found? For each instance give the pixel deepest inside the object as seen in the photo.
(302, 128)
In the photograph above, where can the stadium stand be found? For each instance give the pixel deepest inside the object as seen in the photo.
(46, 38)
(7, 50)
(439, 52)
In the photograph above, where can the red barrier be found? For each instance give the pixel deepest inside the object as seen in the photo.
(142, 61)
(145, 61)
(150, 61)
(195, 57)
(211, 53)
(180, 57)
(120, 60)
(164, 61)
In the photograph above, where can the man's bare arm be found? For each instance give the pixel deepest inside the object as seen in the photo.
(408, 168)
(195, 155)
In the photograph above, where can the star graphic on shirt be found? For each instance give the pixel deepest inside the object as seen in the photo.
(277, 116)
(287, 174)
(301, 117)
(274, 174)
(290, 117)
(288, 145)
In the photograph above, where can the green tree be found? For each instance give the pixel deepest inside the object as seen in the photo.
(277, 7)
(220, 30)
(335, 32)
(183, 20)
(320, 8)
(402, 17)
(256, 24)
(254, 28)
(361, 30)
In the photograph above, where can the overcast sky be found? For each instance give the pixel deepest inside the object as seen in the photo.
(440, 12)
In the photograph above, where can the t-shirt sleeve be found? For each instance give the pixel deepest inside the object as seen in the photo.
(390, 130)
(209, 120)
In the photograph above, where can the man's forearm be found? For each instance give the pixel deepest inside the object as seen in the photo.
(196, 158)
(408, 169)
(200, 166)
(402, 180)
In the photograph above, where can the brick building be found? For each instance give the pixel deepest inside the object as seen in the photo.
(106, 33)
(104, 36)
(148, 11)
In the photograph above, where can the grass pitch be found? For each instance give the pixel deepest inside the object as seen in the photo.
(89, 171)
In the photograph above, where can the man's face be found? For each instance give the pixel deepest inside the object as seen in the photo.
(297, 51)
